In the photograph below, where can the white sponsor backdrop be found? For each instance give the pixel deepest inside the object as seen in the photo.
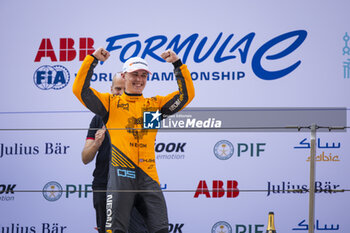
(30, 159)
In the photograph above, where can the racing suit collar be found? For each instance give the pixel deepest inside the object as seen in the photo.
(132, 97)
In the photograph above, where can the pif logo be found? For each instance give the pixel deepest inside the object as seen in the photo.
(51, 77)
(53, 191)
(224, 149)
(221, 226)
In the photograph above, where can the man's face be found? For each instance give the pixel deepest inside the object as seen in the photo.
(135, 81)
(118, 86)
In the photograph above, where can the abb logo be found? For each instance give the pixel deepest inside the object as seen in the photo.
(67, 52)
(218, 189)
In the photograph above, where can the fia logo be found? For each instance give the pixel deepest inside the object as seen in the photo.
(151, 120)
(51, 77)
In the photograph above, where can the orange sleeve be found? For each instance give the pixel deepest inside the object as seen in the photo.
(95, 101)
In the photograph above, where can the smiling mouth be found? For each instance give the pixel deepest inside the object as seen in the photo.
(137, 84)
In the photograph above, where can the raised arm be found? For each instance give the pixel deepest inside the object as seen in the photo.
(95, 101)
(176, 101)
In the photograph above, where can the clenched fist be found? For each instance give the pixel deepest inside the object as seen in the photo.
(100, 136)
(101, 54)
(170, 56)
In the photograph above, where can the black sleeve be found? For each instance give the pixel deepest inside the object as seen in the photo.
(93, 124)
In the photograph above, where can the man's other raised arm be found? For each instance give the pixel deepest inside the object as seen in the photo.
(178, 100)
(95, 101)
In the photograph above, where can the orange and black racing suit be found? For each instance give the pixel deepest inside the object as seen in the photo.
(132, 165)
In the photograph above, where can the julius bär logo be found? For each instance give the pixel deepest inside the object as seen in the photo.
(51, 77)
(52, 191)
(223, 150)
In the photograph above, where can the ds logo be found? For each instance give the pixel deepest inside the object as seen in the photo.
(126, 173)
(51, 77)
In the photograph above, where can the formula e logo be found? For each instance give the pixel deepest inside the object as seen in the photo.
(151, 120)
(223, 150)
(52, 191)
(51, 77)
(221, 226)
